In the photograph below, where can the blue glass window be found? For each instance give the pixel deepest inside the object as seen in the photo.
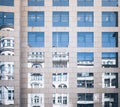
(60, 39)
(85, 39)
(35, 2)
(85, 2)
(85, 19)
(6, 18)
(109, 59)
(60, 2)
(61, 19)
(85, 56)
(7, 2)
(35, 18)
(109, 39)
(85, 59)
(109, 19)
(36, 39)
(109, 2)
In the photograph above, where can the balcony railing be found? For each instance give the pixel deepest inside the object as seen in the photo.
(36, 57)
(60, 56)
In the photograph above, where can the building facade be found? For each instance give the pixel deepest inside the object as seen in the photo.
(59, 53)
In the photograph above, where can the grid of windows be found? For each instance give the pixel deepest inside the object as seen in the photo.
(36, 39)
(35, 2)
(109, 2)
(85, 2)
(109, 19)
(7, 2)
(60, 2)
(109, 39)
(60, 39)
(35, 18)
(85, 39)
(6, 18)
(85, 19)
(60, 19)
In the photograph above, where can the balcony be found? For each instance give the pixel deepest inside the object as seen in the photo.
(36, 56)
(7, 46)
(60, 56)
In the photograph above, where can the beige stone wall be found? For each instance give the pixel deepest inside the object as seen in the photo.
(21, 48)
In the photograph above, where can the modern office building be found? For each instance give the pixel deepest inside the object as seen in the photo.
(59, 53)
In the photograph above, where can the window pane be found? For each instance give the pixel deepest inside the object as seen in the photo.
(6, 18)
(60, 2)
(109, 2)
(85, 59)
(109, 59)
(109, 39)
(36, 39)
(35, 18)
(85, 2)
(61, 19)
(85, 39)
(7, 2)
(109, 19)
(60, 39)
(35, 2)
(85, 19)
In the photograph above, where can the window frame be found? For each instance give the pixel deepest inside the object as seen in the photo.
(35, 41)
(35, 3)
(36, 18)
(60, 19)
(85, 39)
(85, 19)
(60, 39)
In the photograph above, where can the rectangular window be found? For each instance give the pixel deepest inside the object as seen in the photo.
(7, 2)
(110, 80)
(85, 39)
(6, 18)
(60, 2)
(60, 39)
(109, 59)
(109, 39)
(35, 2)
(35, 18)
(85, 19)
(60, 19)
(109, 19)
(85, 2)
(85, 96)
(109, 2)
(85, 80)
(110, 99)
(85, 59)
(60, 99)
(36, 39)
